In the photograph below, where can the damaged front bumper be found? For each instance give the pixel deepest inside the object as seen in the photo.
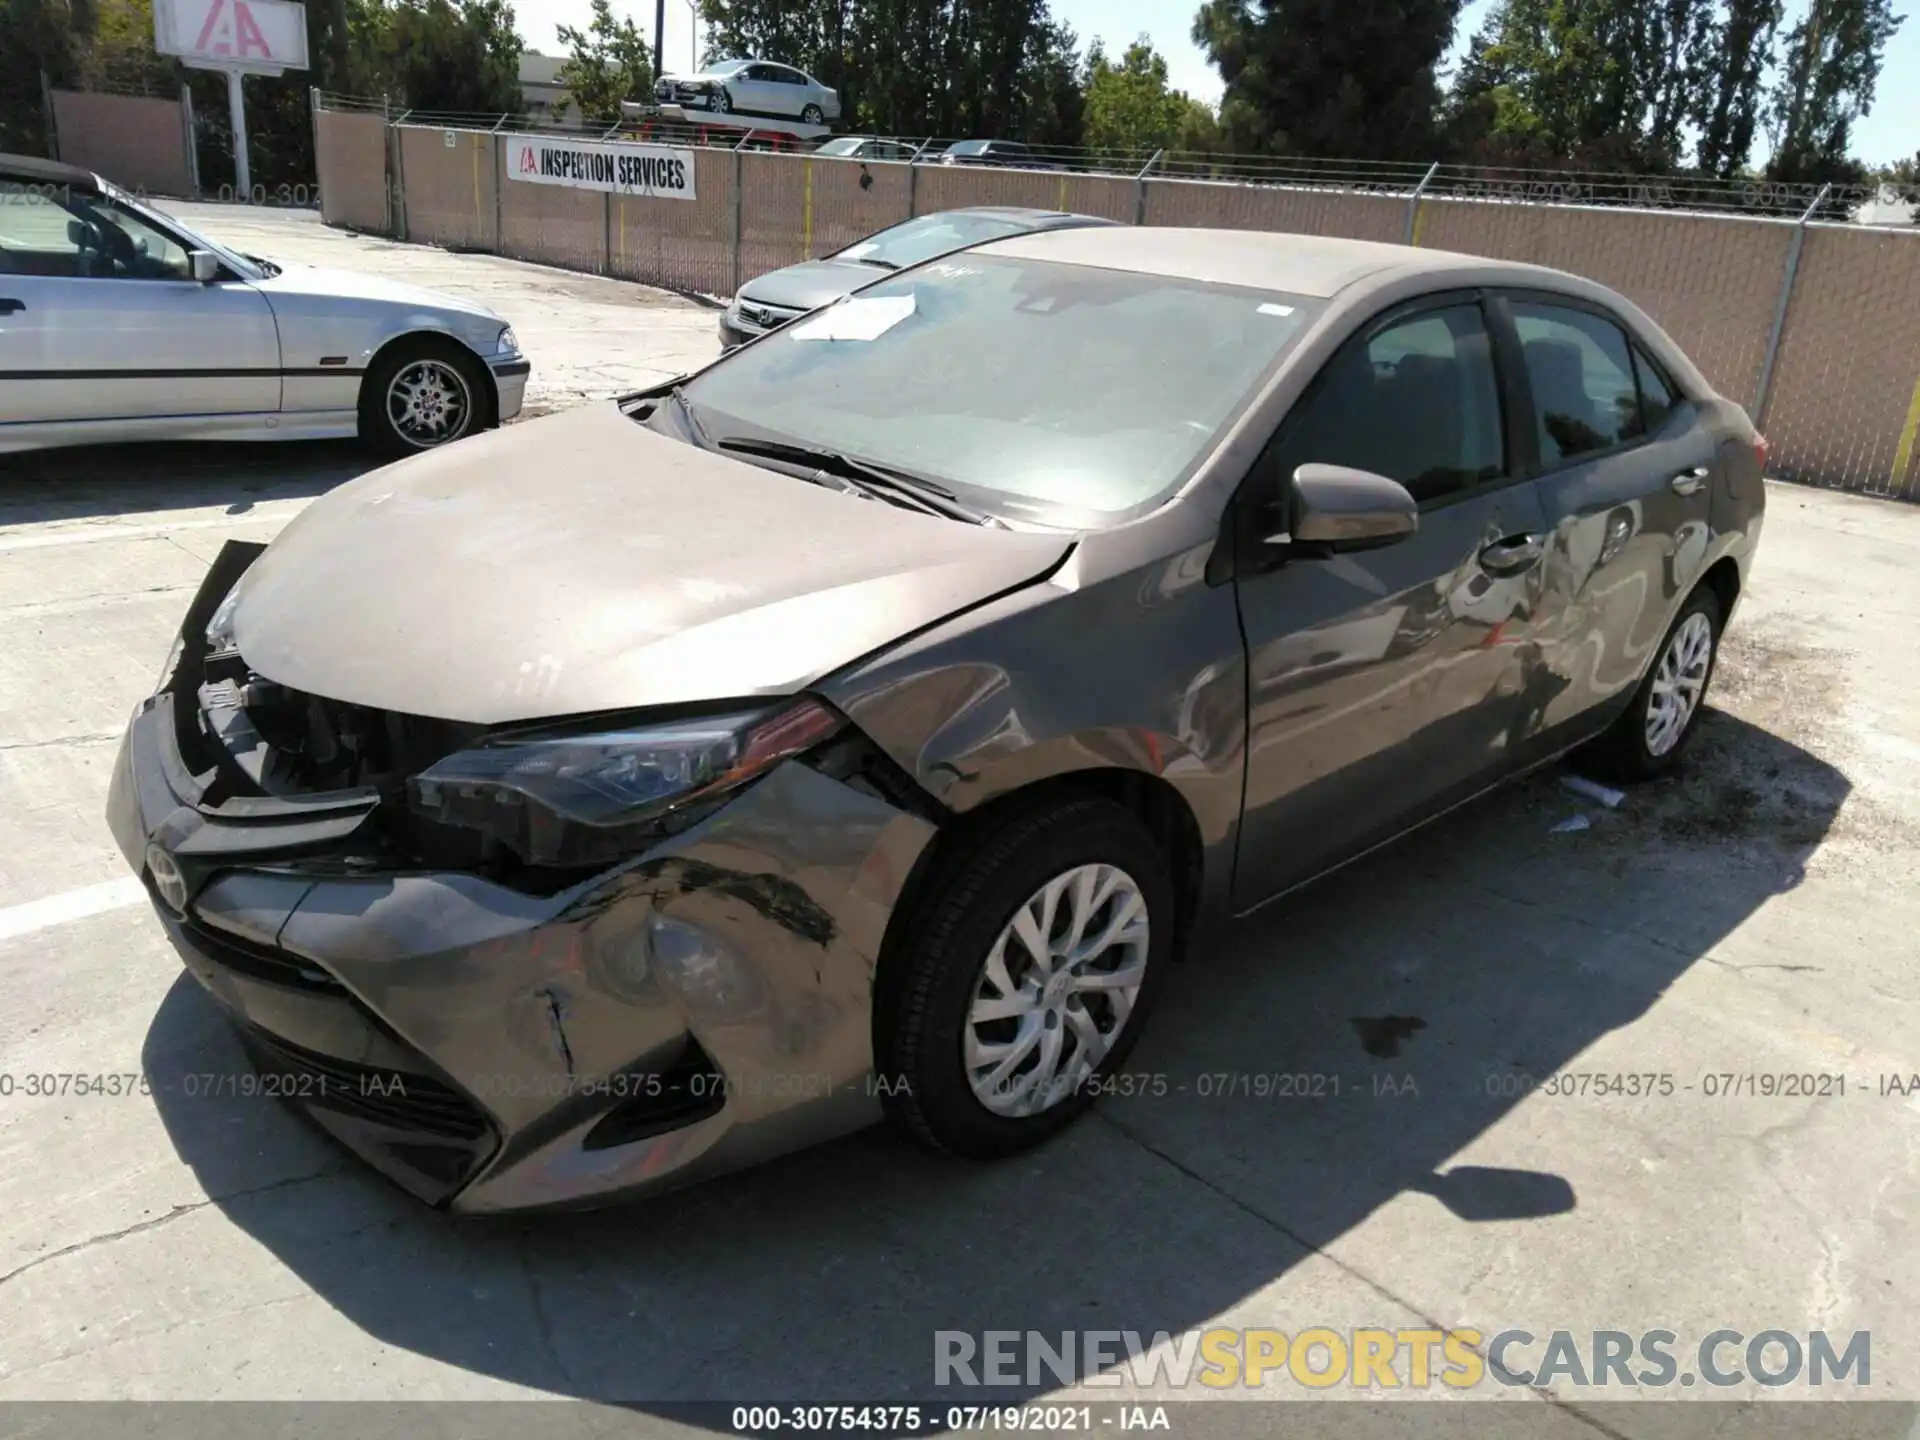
(702, 1006)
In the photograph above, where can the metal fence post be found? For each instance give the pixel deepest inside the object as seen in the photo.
(913, 178)
(1140, 188)
(46, 111)
(733, 272)
(394, 135)
(193, 142)
(1764, 393)
(499, 192)
(1413, 203)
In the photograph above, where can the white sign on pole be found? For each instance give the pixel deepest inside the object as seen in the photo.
(661, 171)
(254, 36)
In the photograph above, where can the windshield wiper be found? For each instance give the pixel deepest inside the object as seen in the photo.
(915, 492)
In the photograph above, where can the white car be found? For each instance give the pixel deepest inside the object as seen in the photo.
(119, 323)
(751, 87)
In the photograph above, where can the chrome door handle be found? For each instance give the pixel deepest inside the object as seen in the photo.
(1510, 557)
(1690, 482)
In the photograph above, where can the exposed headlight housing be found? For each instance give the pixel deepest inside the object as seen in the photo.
(593, 799)
(220, 641)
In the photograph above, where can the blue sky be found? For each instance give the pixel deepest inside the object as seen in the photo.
(1891, 131)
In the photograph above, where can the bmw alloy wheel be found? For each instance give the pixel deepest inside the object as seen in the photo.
(1678, 683)
(1056, 990)
(429, 403)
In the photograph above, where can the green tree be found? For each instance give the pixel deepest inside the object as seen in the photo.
(1129, 107)
(1830, 65)
(38, 37)
(1613, 83)
(455, 56)
(1328, 77)
(1732, 72)
(611, 62)
(920, 67)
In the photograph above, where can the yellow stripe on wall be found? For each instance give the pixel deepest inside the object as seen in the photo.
(807, 221)
(1903, 457)
(1063, 194)
(476, 180)
(1419, 220)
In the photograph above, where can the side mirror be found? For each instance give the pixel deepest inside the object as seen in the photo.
(206, 266)
(1347, 509)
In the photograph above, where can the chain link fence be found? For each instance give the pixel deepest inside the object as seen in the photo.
(1787, 306)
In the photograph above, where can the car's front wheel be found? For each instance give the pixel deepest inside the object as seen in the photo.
(421, 394)
(1648, 738)
(812, 115)
(1030, 968)
(723, 101)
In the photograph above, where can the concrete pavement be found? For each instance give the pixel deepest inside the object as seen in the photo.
(1756, 917)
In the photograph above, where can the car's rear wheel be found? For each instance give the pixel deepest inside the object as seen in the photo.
(421, 394)
(1032, 963)
(1649, 737)
(812, 115)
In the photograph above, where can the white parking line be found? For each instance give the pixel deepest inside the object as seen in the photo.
(88, 900)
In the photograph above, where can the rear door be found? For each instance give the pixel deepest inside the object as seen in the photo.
(103, 320)
(1386, 684)
(756, 91)
(1626, 475)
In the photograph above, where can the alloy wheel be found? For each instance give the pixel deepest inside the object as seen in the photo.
(1678, 683)
(429, 403)
(1056, 990)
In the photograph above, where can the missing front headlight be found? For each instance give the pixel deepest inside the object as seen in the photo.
(591, 799)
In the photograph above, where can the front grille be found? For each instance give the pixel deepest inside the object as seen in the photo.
(398, 1098)
(260, 962)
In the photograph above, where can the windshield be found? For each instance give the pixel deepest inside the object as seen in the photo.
(1056, 393)
(248, 268)
(932, 235)
(846, 145)
(725, 67)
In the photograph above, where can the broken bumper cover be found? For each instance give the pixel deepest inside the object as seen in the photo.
(698, 1008)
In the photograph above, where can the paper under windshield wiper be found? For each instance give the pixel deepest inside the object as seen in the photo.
(899, 486)
(691, 417)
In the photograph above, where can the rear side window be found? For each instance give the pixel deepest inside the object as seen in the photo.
(1657, 399)
(1418, 403)
(1585, 396)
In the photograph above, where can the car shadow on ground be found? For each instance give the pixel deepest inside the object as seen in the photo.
(1486, 949)
(121, 481)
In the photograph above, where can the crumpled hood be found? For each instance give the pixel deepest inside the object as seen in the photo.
(812, 283)
(582, 562)
(313, 280)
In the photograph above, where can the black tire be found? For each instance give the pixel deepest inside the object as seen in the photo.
(723, 102)
(812, 115)
(964, 907)
(1623, 751)
(378, 426)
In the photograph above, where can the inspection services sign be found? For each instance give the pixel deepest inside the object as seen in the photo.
(654, 170)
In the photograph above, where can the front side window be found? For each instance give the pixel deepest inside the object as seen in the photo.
(1058, 393)
(1585, 398)
(62, 233)
(1419, 403)
(1656, 394)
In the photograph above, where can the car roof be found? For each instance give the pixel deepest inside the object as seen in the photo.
(1315, 265)
(46, 172)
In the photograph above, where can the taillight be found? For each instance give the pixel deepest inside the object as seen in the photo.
(1762, 450)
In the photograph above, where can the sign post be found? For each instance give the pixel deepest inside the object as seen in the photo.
(237, 38)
